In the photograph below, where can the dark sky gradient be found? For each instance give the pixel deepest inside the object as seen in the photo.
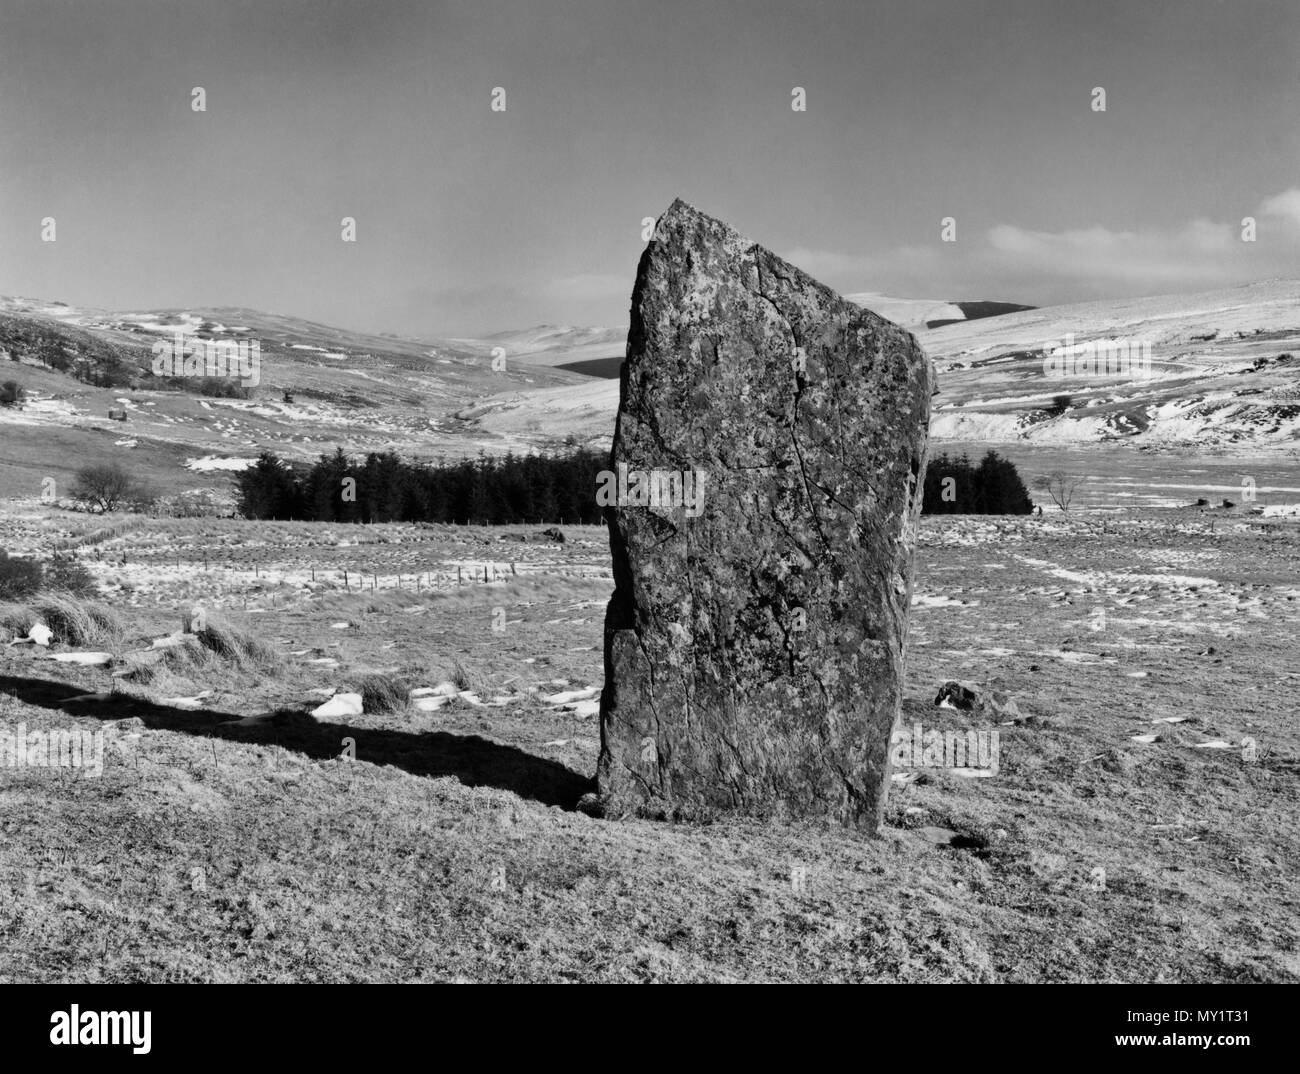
(472, 221)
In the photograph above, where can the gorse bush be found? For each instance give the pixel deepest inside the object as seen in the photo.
(956, 487)
(77, 622)
(222, 388)
(19, 578)
(466, 676)
(228, 643)
(1060, 404)
(67, 575)
(384, 694)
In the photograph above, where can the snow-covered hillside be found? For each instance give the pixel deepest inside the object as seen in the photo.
(1219, 369)
(911, 313)
(1217, 376)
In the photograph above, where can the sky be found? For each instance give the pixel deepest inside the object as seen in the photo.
(470, 220)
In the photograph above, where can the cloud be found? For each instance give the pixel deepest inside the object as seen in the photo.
(587, 287)
(906, 267)
(1007, 262)
(1076, 264)
(1285, 205)
(1193, 254)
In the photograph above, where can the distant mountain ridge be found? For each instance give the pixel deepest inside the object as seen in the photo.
(598, 351)
(1220, 375)
(918, 313)
(977, 311)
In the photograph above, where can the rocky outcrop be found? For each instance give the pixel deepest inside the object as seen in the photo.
(967, 697)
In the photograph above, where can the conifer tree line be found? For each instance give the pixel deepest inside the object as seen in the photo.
(539, 488)
(991, 488)
(385, 488)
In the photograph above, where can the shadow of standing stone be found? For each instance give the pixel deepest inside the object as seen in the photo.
(765, 485)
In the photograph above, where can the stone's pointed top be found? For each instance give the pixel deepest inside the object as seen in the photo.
(682, 215)
(673, 218)
(708, 248)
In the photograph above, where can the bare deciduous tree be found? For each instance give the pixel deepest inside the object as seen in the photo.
(104, 486)
(1059, 485)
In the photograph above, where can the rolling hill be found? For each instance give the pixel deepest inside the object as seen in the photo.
(1223, 380)
(1218, 376)
(320, 387)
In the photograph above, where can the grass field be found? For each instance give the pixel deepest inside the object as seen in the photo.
(232, 837)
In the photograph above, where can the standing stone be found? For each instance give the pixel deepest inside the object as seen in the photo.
(754, 642)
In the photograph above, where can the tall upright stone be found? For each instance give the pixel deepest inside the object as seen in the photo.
(767, 467)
